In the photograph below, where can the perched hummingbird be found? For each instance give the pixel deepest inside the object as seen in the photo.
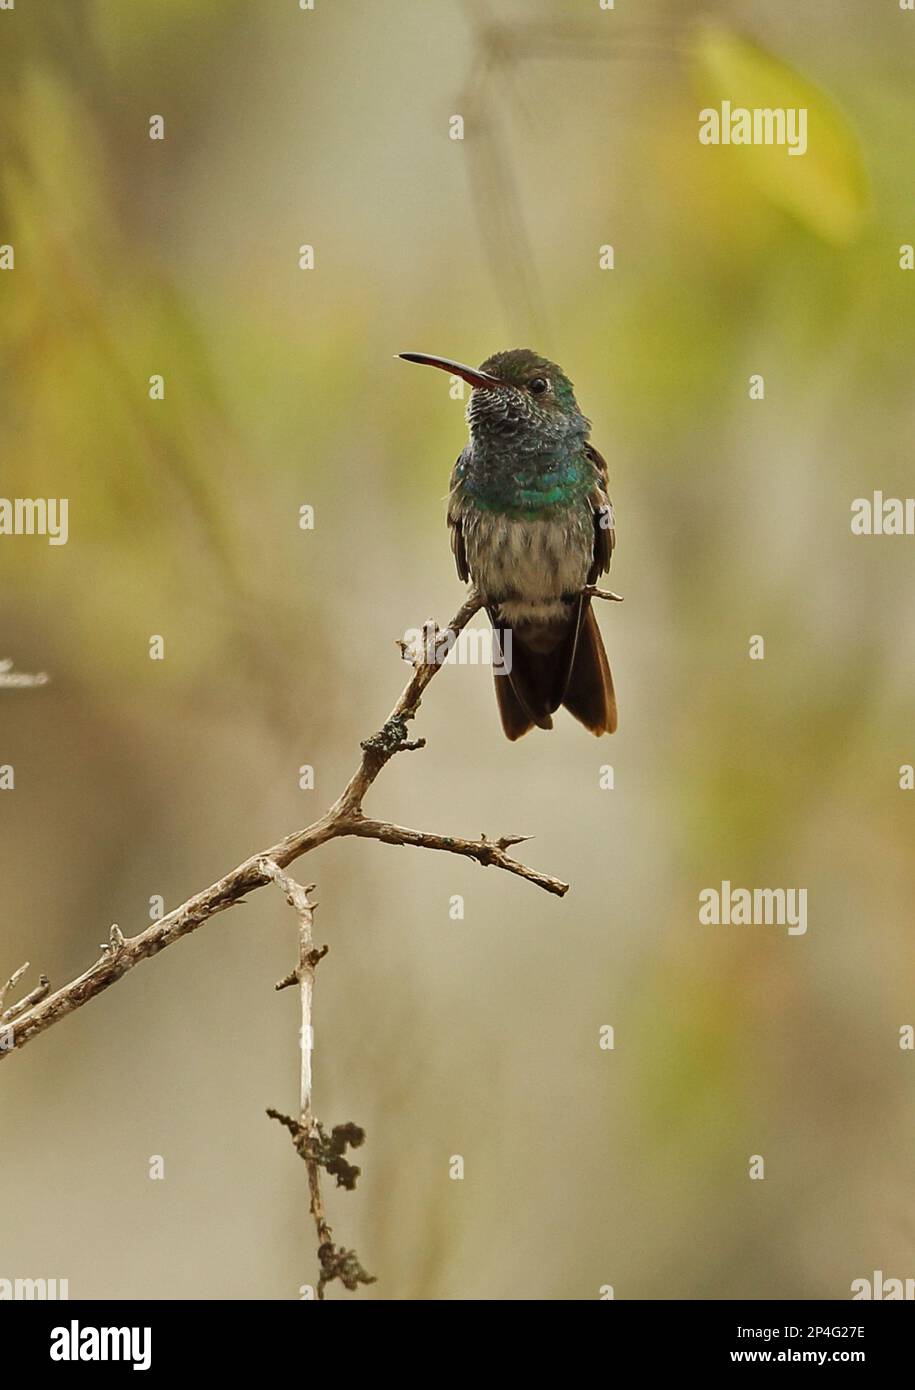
(531, 526)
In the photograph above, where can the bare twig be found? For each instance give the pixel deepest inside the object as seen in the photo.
(298, 899)
(484, 851)
(311, 1143)
(345, 817)
(12, 982)
(594, 592)
(41, 991)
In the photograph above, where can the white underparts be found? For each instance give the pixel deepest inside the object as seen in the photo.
(527, 566)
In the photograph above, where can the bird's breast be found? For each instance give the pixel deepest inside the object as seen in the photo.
(528, 562)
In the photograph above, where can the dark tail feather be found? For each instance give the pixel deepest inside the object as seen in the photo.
(515, 718)
(573, 672)
(589, 693)
(530, 687)
(522, 690)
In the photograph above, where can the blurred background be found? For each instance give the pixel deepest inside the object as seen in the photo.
(584, 1167)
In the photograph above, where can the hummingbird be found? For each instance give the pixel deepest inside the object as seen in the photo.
(531, 526)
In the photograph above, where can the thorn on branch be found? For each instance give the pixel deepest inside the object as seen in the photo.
(317, 953)
(489, 848)
(506, 841)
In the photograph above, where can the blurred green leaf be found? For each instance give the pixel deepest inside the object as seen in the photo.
(826, 188)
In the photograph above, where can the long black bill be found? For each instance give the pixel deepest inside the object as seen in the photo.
(469, 374)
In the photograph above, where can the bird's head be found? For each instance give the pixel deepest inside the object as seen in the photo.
(517, 396)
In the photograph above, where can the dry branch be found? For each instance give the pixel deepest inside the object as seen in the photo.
(309, 1138)
(39, 1010)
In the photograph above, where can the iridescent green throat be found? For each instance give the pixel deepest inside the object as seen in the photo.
(532, 488)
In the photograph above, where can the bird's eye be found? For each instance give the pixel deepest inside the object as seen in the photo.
(538, 386)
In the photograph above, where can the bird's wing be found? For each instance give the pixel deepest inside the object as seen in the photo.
(454, 521)
(604, 523)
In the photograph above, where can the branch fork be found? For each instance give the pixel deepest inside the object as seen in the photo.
(41, 1008)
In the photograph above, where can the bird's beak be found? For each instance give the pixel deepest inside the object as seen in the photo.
(469, 374)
